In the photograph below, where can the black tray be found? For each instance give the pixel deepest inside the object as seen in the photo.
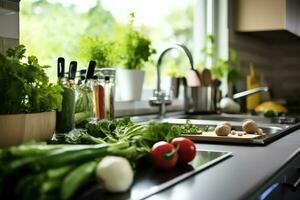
(149, 180)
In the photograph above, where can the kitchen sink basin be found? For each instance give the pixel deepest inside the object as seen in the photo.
(242, 117)
(229, 117)
(272, 130)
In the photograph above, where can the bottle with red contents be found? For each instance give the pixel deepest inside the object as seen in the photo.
(103, 92)
(98, 96)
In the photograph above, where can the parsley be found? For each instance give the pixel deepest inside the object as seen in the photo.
(189, 128)
(25, 87)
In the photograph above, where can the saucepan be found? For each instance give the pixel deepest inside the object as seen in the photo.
(200, 99)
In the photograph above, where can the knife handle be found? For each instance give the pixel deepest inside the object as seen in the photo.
(72, 70)
(60, 67)
(90, 70)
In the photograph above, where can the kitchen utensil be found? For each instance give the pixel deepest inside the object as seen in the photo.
(200, 99)
(206, 77)
(192, 78)
(82, 74)
(199, 73)
(72, 70)
(60, 69)
(216, 83)
(90, 70)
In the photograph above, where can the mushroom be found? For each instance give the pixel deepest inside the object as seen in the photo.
(225, 123)
(233, 132)
(222, 130)
(249, 126)
(240, 134)
(260, 131)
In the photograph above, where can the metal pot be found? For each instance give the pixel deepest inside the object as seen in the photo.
(201, 99)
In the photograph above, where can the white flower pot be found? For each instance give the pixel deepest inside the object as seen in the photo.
(130, 84)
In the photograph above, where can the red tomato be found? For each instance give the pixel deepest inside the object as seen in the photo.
(164, 155)
(186, 149)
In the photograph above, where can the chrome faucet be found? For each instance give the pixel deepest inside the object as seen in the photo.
(160, 98)
(249, 92)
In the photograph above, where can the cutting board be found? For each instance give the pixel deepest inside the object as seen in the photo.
(211, 136)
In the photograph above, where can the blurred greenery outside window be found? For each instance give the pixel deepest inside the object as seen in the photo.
(53, 28)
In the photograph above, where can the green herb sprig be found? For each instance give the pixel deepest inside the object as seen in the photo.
(25, 87)
(135, 48)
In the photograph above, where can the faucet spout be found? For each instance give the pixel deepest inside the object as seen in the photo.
(249, 92)
(177, 46)
(159, 97)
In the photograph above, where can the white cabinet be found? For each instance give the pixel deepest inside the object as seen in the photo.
(266, 15)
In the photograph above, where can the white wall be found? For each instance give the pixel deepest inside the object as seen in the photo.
(9, 24)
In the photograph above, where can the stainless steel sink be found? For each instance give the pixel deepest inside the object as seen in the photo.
(228, 117)
(273, 130)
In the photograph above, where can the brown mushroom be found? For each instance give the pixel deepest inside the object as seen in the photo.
(260, 131)
(249, 126)
(222, 130)
(233, 132)
(225, 123)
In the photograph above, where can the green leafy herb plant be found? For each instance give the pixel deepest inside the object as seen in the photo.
(103, 51)
(135, 49)
(229, 68)
(25, 87)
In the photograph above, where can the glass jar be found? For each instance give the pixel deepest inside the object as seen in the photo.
(104, 93)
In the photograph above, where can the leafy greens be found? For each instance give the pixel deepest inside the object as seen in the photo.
(25, 87)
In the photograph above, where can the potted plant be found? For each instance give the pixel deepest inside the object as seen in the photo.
(135, 51)
(28, 99)
(103, 51)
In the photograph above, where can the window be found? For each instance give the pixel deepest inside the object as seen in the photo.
(53, 28)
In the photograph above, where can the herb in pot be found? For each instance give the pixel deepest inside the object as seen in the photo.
(25, 86)
(103, 51)
(135, 48)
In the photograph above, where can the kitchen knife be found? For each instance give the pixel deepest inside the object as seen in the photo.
(90, 70)
(72, 70)
(82, 74)
(60, 68)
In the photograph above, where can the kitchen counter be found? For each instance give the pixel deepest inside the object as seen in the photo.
(243, 176)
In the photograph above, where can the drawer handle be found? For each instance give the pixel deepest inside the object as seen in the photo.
(294, 185)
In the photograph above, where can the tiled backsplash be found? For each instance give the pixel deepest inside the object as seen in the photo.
(277, 60)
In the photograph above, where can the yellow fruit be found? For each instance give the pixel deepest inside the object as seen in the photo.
(270, 105)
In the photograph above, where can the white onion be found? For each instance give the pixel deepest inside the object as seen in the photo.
(115, 173)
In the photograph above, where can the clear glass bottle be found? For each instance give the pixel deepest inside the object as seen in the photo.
(103, 87)
(108, 83)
